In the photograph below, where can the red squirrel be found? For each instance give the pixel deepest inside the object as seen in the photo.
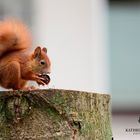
(17, 64)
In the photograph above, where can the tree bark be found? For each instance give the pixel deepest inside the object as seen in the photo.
(54, 114)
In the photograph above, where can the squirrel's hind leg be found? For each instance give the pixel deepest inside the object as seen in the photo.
(12, 77)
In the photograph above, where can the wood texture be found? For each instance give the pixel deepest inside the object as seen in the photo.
(54, 114)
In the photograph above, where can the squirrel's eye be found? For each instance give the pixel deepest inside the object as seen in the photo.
(42, 62)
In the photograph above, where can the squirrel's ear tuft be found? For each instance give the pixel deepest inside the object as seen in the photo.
(37, 53)
(44, 50)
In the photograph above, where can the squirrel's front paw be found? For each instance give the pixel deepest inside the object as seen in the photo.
(46, 78)
(42, 79)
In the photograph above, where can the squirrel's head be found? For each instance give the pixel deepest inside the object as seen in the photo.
(41, 61)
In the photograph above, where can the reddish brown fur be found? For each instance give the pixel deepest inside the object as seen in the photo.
(17, 65)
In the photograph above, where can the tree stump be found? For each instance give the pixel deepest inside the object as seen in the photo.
(54, 114)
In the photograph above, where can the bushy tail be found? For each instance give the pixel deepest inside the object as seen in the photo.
(14, 35)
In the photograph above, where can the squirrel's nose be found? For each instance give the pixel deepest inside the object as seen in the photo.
(47, 71)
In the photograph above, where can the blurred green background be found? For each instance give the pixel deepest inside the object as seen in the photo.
(124, 38)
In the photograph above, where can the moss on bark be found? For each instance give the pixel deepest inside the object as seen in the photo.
(54, 114)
